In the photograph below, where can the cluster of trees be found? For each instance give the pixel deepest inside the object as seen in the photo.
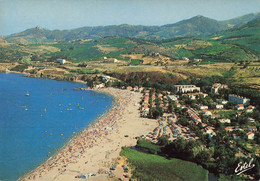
(154, 112)
(188, 150)
(85, 71)
(20, 68)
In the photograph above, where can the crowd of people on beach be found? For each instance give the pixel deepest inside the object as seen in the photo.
(79, 144)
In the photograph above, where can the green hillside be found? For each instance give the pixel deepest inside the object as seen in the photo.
(154, 167)
(245, 36)
(234, 45)
(242, 19)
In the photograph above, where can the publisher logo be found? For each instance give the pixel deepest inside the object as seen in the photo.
(242, 167)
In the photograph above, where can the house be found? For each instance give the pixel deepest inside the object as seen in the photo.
(61, 61)
(100, 85)
(105, 78)
(196, 60)
(239, 113)
(201, 107)
(239, 107)
(251, 120)
(221, 101)
(110, 60)
(249, 109)
(209, 131)
(252, 128)
(219, 106)
(171, 97)
(195, 95)
(238, 99)
(186, 88)
(206, 112)
(216, 87)
(250, 135)
(228, 129)
(185, 59)
(178, 105)
(225, 121)
(194, 117)
(236, 136)
(213, 116)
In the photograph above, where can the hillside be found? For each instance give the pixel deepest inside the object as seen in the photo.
(241, 20)
(197, 26)
(246, 36)
(234, 45)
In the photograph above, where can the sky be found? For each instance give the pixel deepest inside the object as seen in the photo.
(19, 15)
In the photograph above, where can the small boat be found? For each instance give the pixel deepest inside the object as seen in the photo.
(27, 94)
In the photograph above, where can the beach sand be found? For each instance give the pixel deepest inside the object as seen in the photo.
(95, 149)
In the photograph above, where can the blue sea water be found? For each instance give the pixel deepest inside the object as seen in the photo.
(31, 127)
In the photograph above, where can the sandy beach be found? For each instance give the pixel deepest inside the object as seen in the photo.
(97, 148)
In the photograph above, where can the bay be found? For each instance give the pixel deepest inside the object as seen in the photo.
(33, 127)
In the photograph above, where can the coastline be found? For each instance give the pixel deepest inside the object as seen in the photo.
(74, 137)
(82, 153)
(114, 129)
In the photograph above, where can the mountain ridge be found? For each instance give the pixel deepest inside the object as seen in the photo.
(197, 26)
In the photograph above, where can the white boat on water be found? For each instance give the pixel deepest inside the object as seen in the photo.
(27, 94)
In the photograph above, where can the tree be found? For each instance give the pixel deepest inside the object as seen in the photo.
(157, 112)
(202, 156)
(163, 140)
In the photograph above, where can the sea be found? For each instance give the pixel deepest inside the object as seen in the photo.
(34, 127)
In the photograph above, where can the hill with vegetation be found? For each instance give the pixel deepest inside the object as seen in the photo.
(154, 167)
(246, 36)
(242, 19)
(235, 45)
(197, 26)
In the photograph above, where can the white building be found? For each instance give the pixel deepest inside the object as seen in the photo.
(201, 107)
(210, 131)
(252, 128)
(196, 60)
(185, 58)
(61, 61)
(249, 109)
(225, 120)
(207, 113)
(186, 88)
(219, 106)
(102, 85)
(172, 97)
(250, 135)
(217, 86)
(105, 78)
(221, 101)
(195, 95)
(110, 60)
(238, 99)
(239, 107)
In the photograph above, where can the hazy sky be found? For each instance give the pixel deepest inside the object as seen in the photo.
(18, 15)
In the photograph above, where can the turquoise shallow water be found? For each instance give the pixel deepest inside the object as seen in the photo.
(31, 127)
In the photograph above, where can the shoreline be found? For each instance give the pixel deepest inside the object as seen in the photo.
(73, 138)
(81, 149)
(114, 129)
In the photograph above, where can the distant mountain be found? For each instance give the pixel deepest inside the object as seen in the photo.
(242, 19)
(197, 26)
(240, 43)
